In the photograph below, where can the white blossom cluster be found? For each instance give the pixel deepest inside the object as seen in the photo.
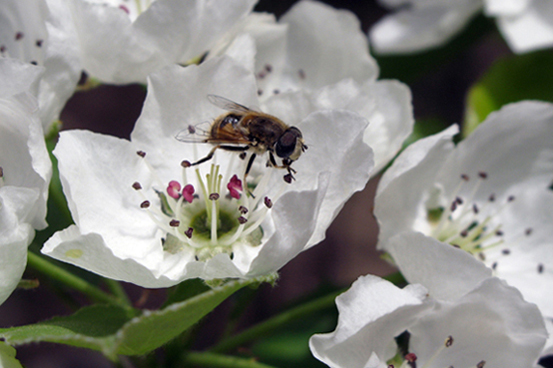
(467, 224)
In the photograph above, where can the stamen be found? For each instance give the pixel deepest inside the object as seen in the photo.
(188, 232)
(188, 192)
(173, 189)
(145, 204)
(136, 186)
(174, 223)
(141, 153)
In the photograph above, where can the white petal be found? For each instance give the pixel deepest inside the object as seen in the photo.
(505, 7)
(371, 313)
(23, 154)
(405, 186)
(327, 45)
(15, 236)
(385, 104)
(92, 253)
(295, 217)
(530, 30)
(447, 272)
(97, 173)
(27, 79)
(168, 32)
(334, 138)
(184, 30)
(493, 323)
(419, 28)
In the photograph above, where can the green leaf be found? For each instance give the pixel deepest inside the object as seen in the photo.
(112, 331)
(7, 357)
(511, 79)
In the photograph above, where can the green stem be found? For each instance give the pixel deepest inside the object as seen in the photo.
(264, 328)
(206, 359)
(57, 273)
(117, 289)
(291, 315)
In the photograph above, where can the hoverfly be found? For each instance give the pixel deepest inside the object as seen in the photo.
(241, 129)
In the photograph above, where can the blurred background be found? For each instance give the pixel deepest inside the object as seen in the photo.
(439, 81)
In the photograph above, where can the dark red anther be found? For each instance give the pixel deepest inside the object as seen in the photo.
(268, 202)
(185, 163)
(145, 204)
(242, 220)
(189, 232)
(174, 223)
(141, 153)
(136, 185)
(214, 196)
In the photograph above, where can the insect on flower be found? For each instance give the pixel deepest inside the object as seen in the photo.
(241, 129)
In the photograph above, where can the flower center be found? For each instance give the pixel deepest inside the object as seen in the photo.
(466, 223)
(406, 359)
(206, 216)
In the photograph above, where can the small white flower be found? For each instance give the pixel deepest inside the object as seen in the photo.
(25, 171)
(125, 41)
(143, 215)
(490, 326)
(489, 198)
(527, 25)
(40, 33)
(317, 50)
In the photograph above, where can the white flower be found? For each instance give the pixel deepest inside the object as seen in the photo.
(146, 219)
(25, 171)
(125, 41)
(322, 51)
(41, 34)
(490, 326)
(490, 197)
(527, 25)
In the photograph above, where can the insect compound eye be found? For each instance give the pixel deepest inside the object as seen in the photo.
(230, 119)
(287, 143)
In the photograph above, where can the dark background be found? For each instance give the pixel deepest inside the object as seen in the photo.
(438, 88)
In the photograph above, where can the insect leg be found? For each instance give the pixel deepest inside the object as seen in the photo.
(248, 168)
(209, 156)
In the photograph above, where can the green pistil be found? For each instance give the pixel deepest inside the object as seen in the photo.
(226, 224)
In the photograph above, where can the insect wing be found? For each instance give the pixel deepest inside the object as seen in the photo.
(226, 104)
(198, 133)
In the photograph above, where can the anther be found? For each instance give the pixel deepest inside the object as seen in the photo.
(483, 175)
(136, 185)
(191, 129)
(2, 49)
(482, 256)
(494, 266)
(145, 204)
(540, 268)
(185, 163)
(242, 220)
(464, 233)
(243, 210)
(301, 74)
(491, 198)
(465, 177)
(259, 92)
(124, 8)
(174, 223)
(34, 62)
(475, 209)
(506, 252)
(268, 68)
(214, 196)
(188, 232)
(449, 341)
(528, 231)
(510, 198)
(411, 357)
(1, 172)
(453, 206)
(276, 91)
(18, 36)
(481, 364)
(188, 192)
(268, 202)
(38, 43)
(499, 233)
(288, 178)
(459, 200)
(141, 153)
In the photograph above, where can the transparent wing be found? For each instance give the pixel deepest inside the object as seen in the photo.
(226, 104)
(198, 133)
